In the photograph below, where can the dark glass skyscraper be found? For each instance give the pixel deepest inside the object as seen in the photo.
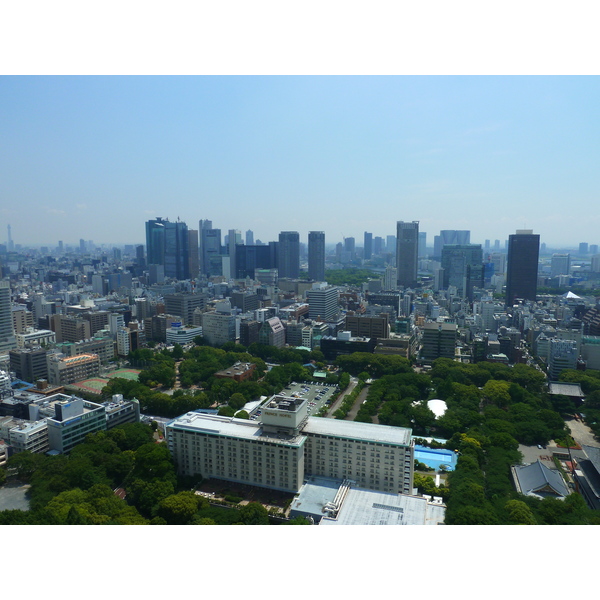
(316, 255)
(522, 266)
(177, 258)
(407, 250)
(155, 241)
(289, 254)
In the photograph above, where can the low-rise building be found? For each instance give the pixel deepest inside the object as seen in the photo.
(238, 372)
(66, 370)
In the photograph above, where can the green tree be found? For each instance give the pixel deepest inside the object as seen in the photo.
(519, 513)
(178, 509)
(254, 513)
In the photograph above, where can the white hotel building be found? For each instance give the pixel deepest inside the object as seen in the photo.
(287, 446)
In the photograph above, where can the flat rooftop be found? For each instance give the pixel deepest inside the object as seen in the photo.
(230, 426)
(368, 507)
(368, 432)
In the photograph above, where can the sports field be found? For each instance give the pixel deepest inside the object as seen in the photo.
(95, 384)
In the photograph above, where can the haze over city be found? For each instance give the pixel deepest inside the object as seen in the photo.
(95, 157)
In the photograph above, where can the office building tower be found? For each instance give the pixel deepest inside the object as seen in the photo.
(316, 255)
(218, 328)
(233, 239)
(486, 246)
(7, 334)
(155, 241)
(390, 244)
(463, 267)
(407, 245)
(563, 355)
(193, 256)
(249, 237)
(139, 256)
(595, 264)
(82, 246)
(368, 246)
(350, 247)
(593, 248)
(176, 260)
(184, 305)
(522, 266)
(447, 237)
(422, 245)
(250, 258)
(323, 302)
(210, 249)
(390, 278)
(560, 265)
(378, 245)
(289, 254)
(439, 341)
(583, 248)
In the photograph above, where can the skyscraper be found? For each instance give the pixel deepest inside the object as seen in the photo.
(234, 238)
(422, 244)
(450, 236)
(522, 266)
(407, 246)
(210, 249)
(193, 257)
(249, 237)
(463, 267)
(8, 340)
(289, 254)
(560, 264)
(176, 259)
(368, 246)
(316, 255)
(155, 241)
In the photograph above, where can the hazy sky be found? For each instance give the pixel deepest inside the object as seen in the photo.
(95, 157)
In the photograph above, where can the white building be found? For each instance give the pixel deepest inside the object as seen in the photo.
(35, 337)
(286, 446)
(178, 334)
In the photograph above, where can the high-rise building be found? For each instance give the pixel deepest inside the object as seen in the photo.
(422, 244)
(583, 248)
(463, 267)
(449, 236)
(560, 265)
(8, 340)
(522, 266)
(155, 241)
(390, 244)
(593, 248)
(407, 246)
(234, 238)
(316, 255)
(176, 261)
(249, 237)
(378, 245)
(368, 246)
(323, 302)
(184, 305)
(193, 256)
(249, 258)
(350, 247)
(210, 249)
(289, 254)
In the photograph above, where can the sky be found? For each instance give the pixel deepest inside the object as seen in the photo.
(94, 157)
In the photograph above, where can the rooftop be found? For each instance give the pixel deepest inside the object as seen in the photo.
(359, 431)
(239, 428)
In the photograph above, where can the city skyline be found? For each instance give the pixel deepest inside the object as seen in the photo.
(90, 157)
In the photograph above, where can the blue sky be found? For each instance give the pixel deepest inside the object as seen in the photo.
(94, 157)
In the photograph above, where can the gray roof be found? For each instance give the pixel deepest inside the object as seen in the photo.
(535, 479)
(369, 507)
(566, 389)
(358, 431)
(593, 454)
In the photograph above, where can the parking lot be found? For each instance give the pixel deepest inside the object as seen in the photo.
(317, 395)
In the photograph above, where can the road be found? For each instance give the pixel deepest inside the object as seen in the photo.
(356, 407)
(581, 433)
(338, 402)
